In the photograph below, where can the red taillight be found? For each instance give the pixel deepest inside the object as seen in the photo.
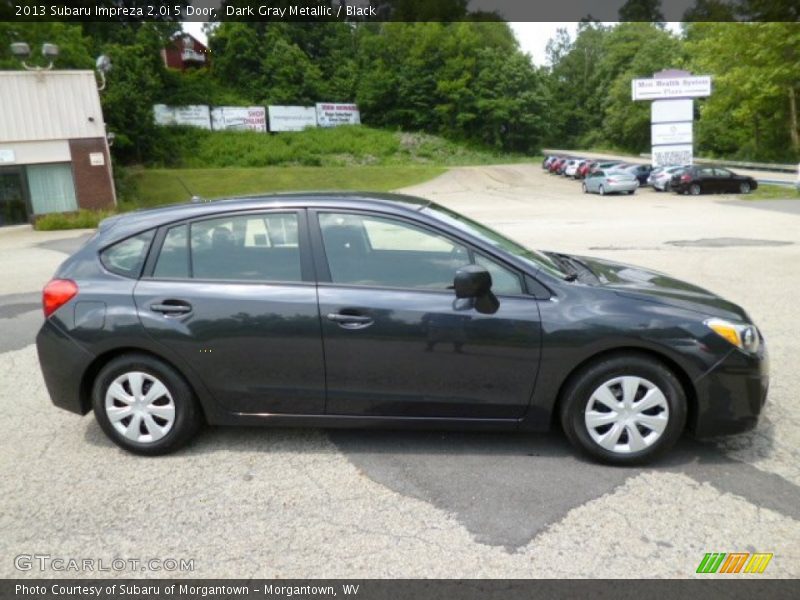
(611, 180)
(56, 294)
(686, 177)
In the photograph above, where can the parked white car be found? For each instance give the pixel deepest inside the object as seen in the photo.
(572, 167)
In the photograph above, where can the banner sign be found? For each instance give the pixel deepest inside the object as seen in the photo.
(671, 111)
(194, 115)
(675, 155)
(333, 115)
(253, 118)
(671, 87)
(671, 133)
(291, 118)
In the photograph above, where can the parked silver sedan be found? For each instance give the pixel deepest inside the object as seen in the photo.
(610, 181)
(660, 178)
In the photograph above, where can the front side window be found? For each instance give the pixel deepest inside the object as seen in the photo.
(504, 280)
(374, 251)
(127, 257)
(260, 247)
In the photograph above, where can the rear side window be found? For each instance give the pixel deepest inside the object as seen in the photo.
(261, 247)
(127, 257)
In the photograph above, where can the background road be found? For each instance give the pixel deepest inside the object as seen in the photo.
(309, 503)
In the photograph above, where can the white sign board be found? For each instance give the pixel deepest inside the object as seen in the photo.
(330, 114)
(291, 118)
(193, 115)
(7, 155)
(671, 111)
(253, 118)
(677, 154)
(671, 87)
(97, 159)
(671, 133)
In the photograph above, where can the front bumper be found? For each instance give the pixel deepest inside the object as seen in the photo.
(731, 394)
(63, 364)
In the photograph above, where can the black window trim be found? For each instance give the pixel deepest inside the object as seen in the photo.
(307, 272)
(324, 278)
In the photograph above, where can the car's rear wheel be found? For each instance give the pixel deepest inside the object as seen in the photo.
(744, 187)
(623, 410)
(144, 406)
(695, 189)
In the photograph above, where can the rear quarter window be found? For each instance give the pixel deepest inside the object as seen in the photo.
(127, 257)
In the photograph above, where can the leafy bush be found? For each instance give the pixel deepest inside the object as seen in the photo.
(82, 219)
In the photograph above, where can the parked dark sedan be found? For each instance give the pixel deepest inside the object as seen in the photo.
(701, 180)
(641, 172)
(370, 310)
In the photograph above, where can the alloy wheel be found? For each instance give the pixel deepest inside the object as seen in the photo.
(602, 191)
(140, 407)
(694, 189)
(744, 187)
(626, 414)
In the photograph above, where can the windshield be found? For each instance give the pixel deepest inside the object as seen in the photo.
(537, 259)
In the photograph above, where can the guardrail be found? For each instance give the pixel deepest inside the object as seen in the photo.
(778, 167)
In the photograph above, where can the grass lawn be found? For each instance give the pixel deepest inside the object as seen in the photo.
(766, 191)
(153, 187)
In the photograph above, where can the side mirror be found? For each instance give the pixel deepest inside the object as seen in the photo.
(473, 287)
(472, 281)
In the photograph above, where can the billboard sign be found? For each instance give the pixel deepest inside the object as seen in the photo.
(671, 133)
(676, 154)
(193, 115)
(671, 111)
(671, 87)
(330, 114)
(252, 118)
(291, 118)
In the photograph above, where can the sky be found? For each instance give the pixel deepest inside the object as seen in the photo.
(532, 37)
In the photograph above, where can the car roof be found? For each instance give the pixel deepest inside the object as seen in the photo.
(126, 224)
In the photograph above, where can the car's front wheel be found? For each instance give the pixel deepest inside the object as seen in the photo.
(744, 187)
(144, 406)
(602, 191)
(625, 409)
(584, 188)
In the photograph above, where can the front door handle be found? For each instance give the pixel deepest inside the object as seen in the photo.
(171, 307)
(350, 321)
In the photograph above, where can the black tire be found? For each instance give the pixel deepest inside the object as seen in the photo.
(601, 190)
(744, 187)
(188, 415)
(695, 189)
(583, 187)
(583, 384)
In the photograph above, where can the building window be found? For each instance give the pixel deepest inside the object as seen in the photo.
(51, 188)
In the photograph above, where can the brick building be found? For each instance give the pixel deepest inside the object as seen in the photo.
(184, 52)
(53, 149)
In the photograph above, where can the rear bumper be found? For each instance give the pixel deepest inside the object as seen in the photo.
(63, 364)
(731, 395)
(621, 187)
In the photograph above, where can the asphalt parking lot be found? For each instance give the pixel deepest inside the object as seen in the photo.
(310, 503)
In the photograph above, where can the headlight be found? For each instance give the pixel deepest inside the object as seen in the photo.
(741, 335)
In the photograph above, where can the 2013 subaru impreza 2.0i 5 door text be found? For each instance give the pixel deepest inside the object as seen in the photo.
(369, 310)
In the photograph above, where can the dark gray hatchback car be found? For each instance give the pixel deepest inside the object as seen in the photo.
(369, 310)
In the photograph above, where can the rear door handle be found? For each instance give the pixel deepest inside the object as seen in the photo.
(350, 321)
(171, 307)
